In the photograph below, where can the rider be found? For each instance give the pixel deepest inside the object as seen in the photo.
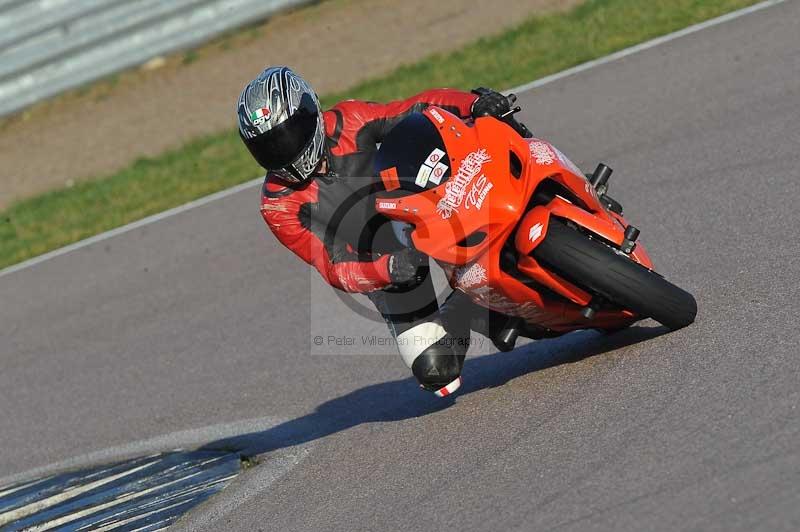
(319, 169)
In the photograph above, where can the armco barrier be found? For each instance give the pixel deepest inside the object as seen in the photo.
(49, 46)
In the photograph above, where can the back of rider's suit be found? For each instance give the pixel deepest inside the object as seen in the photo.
(323, 222)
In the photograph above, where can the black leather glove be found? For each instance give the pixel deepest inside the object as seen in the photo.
(407, 267)
(491, 103)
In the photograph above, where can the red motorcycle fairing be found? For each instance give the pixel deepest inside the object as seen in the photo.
(464, 216)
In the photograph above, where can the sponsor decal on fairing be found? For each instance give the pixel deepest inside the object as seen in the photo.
(435, 156)
(478, 193)
(438, 173)
(437, 116)
(493, 300)
(542, 153)
(433, 169)
(469, 276)
(422, 176)
(387, 205)
(456, 188)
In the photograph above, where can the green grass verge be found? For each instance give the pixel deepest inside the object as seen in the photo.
(540, 46)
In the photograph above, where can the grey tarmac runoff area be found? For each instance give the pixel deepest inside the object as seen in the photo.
(196, 332)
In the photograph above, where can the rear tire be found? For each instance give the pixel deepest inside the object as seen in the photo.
(600, 269)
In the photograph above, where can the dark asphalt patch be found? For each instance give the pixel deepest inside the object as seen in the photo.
(147, 493)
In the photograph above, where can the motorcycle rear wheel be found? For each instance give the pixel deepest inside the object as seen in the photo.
(609, 273)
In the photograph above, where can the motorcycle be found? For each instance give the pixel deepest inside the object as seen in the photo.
(519, 228)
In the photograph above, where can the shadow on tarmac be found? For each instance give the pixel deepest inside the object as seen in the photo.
(403, 399)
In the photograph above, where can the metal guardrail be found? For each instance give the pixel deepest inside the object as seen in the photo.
(49, 46)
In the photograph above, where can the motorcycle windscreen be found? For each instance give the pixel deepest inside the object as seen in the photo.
(413, 154)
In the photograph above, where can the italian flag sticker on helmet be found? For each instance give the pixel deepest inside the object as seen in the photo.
(259, 116)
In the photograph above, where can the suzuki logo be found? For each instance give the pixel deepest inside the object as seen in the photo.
(536, 232)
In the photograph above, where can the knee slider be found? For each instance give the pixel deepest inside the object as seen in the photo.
(437, 366)
(429, 351)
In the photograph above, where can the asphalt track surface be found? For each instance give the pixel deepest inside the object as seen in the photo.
(197, 331)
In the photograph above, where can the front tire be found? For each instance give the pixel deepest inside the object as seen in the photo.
(602, 270)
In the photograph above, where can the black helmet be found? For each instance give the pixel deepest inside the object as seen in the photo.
(280, 122)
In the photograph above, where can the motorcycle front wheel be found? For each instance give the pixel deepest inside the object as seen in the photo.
(600, 269)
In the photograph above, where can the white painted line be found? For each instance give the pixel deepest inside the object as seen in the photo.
(645, 46)
(36, 506)
(253, 482)
(522, 88)
(118, 501)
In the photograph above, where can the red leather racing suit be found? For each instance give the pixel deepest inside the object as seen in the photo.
(319, 220)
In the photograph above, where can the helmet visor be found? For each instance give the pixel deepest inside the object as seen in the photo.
(284, 143)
